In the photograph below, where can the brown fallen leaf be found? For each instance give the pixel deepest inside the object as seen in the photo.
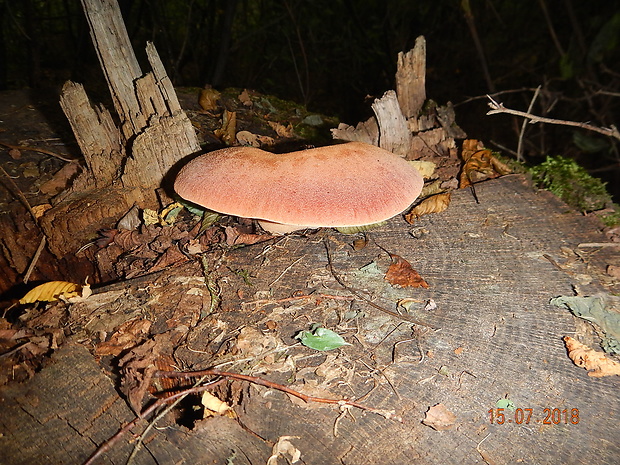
(480, 165)
(126, 336)
(235, 237)
(39, 210)
(208, 99)
(597, 364)
(61, 179)
(359, 244)
(439, 418)
(229, 128)
(400, 273)
(244, 97)
(281, 130)
(434, 204)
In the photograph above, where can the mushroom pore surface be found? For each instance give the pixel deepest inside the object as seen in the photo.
(350, 184)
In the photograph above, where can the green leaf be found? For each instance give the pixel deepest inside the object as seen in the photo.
(321, 339)
(505, 403)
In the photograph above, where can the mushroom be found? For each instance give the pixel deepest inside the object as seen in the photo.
(342, 186)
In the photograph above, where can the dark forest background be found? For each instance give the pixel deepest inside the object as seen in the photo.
(334, 56)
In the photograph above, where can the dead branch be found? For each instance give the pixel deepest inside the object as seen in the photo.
(390, 415)
(497, 107)
(357, 293)
(343, 403)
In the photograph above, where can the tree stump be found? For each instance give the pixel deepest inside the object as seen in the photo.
(124, 164)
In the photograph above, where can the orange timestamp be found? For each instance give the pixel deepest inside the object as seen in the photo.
(525, 416)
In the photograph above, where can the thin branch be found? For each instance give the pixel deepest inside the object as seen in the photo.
(500, 108)
(523, 126)
(107, 445)
(26, 148)
(358, 294)
(153, 422)
(35, 259)
(19, 194)
(388, 414)
(471, 23)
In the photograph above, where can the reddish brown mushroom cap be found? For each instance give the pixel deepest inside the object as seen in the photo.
(350, 184)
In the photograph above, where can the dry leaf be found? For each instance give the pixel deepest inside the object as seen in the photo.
(126, 336)
(359, 244)
(253, 140)
(229, 128)
(235, 237)
(400, 273)
(283, 448)
(470, 146)
(244, 97)
(480, 165)
(597, 364)
(54, 290)
(435, 204)
(281, 130)
(214, 406)
(439, 418)
(137, 368)
(208, 99)
(425, 168)
(39, 210)
(61, 179)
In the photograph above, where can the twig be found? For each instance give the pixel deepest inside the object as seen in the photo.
(19, 194)
(285, 270)
(358, 294)
(154, 421)
(35, 149)
(388, 414)
(107, 445)
(212, 287)
(471, 23)
(599, 244)
(496, 108)
(298, 297)
(524, 125)
(342, 403)
(35, 259)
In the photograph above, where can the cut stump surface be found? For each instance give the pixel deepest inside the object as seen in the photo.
(492, 268)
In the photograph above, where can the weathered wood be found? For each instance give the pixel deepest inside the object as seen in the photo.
(154, 133)
(489, 269)
(97, 135)
(411, 79)
(118, 61)
(394, 134)
(399, 124)
(365, 131)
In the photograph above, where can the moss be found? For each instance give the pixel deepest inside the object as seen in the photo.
(572, 183)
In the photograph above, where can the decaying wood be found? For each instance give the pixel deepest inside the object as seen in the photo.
(411, 79)
(399, 124)
(499, 338)
(394, 134)
(97, 136)
(125, 164)
(365, 131)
